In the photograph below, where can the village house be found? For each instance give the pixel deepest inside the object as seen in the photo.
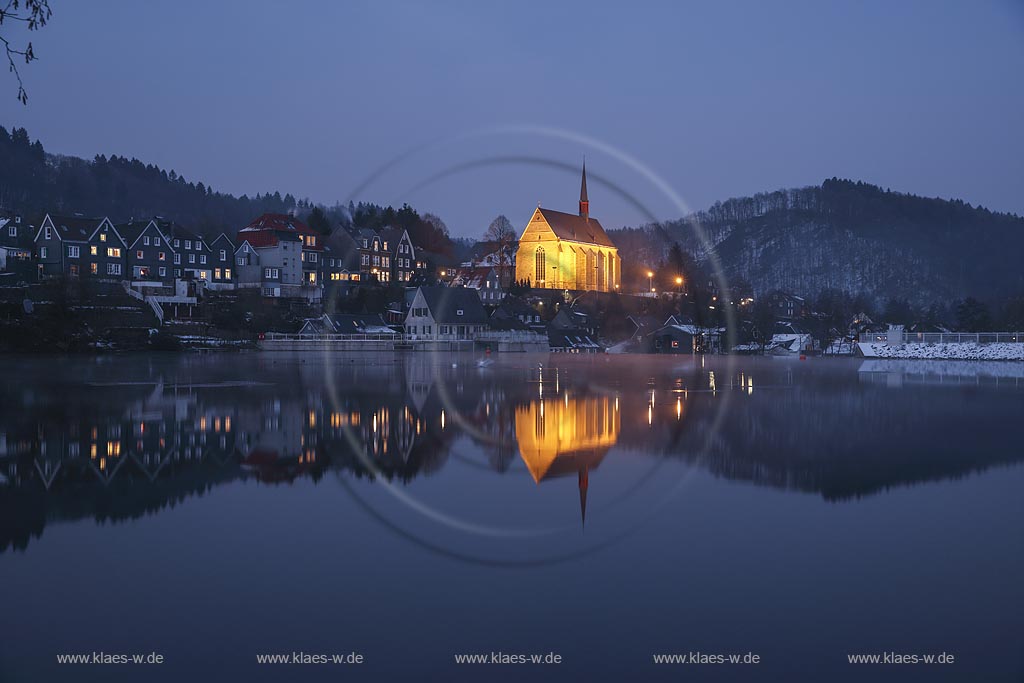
(108, 252)
(787, 306)
(573, 341)
(149, 252)
(569, 318)
(222, 250)
(15, 248)
(62, 246)
(445, 314)
(679, 337)
(513, 313)
(341, 323)
(562, 251)
(339, 262)
(483, 279)
(312, 250)
(272, 255)
(192, 256)
(374, 259)
(401, 253)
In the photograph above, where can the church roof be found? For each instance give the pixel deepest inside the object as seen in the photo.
(568, 226)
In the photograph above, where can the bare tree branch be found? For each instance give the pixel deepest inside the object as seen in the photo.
(34, 14)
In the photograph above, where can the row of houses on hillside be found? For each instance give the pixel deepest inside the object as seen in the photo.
(276, 253)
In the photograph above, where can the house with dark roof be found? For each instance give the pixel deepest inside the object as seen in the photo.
(192, 255)
(445, 314)
(16, 248)
(514, 313)
(222, 253)
(401, 254)
(374, 259)
(573, 341)
(570, 318)
(564, 251)
(149, 254)
(483, 279)
(339, 263)
(62, 247)
(342, 323)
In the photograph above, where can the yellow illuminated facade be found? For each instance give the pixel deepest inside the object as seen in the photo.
(564, 251)
(565, 435)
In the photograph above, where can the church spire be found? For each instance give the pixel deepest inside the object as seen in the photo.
(584, 203)
(584, 481)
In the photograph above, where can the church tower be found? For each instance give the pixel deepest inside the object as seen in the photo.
(584, 203)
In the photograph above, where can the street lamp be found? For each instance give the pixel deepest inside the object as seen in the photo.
(650, 280)
(679, 283)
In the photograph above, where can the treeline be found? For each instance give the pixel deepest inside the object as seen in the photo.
(33, 182)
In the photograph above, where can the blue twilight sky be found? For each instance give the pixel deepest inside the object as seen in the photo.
(718, 99)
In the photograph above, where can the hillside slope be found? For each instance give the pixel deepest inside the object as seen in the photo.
(855, 237)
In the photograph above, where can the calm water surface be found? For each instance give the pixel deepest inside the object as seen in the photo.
(414, 507)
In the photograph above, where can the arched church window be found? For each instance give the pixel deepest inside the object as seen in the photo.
(540, 266)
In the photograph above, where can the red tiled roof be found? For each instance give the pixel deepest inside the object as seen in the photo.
(270, 228)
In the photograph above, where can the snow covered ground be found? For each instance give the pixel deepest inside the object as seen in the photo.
(965, 351)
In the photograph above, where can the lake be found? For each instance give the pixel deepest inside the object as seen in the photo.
(415, 508)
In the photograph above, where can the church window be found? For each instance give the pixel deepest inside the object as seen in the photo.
(540, 265)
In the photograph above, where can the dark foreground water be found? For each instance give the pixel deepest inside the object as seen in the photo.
(414, 508)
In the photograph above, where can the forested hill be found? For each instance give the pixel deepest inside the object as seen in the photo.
(854, 237)
(33, 181)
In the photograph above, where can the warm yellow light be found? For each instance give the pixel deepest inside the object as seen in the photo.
(650, 274)
(679, 280)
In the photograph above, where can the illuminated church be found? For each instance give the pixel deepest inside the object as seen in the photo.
(562, 251)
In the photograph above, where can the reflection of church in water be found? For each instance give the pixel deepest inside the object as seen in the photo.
(566, 436)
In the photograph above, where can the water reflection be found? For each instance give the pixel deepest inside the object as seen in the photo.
(117, 439)
(564, 437)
